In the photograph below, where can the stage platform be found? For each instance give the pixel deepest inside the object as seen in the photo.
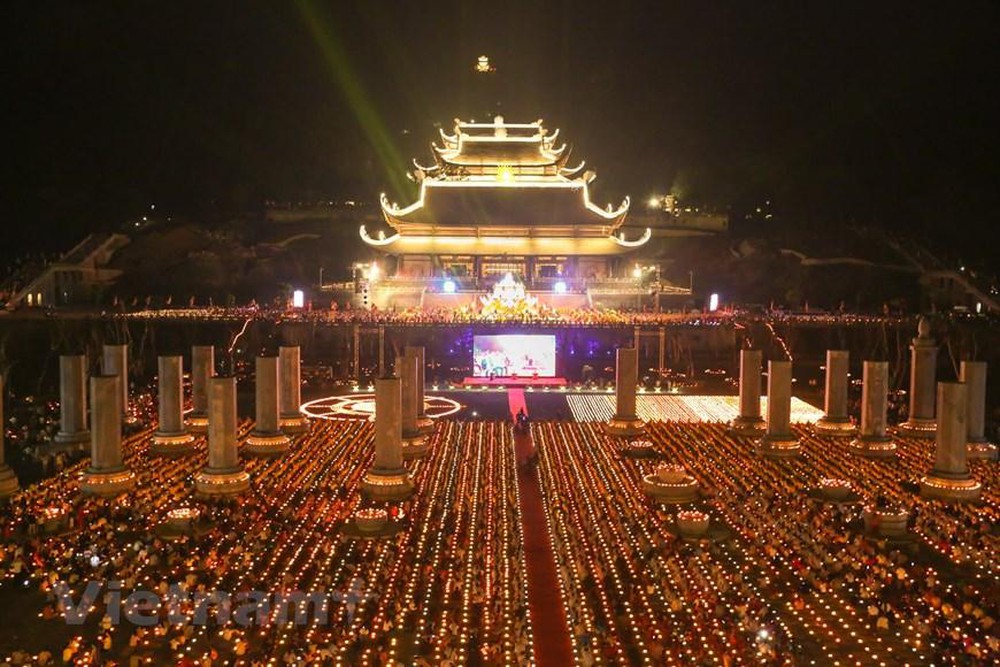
(514, 382)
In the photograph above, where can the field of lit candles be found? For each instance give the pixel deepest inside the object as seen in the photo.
(780, 577)
(796, 581)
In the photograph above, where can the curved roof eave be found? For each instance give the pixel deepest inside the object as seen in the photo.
(641, 241)
(390, 210)
(607, 215)
(449, 140)
(377, 243)
(570, 172)
(494, 245)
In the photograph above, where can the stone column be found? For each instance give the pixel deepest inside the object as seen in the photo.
(836, 421)
(289, 375)
(424, 423)
(661, 353)
(949, 479)
(778, 439)
(356, 352)
(749, 422)
(973, 374)
(923, 367)
(625, 422)
(224, 474)
(171, 437)
(414, 441)
(266, 439)
(72, 400)
(873, 440)
(107, 474)
(388, 479)
(8, 480)
(115, 362)
(202, 370)
(381, 349)
(388, 424)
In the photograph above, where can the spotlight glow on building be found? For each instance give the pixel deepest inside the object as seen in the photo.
(559, 287)
(449, 286)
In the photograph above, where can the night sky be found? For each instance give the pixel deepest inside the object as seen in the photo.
(882, 113)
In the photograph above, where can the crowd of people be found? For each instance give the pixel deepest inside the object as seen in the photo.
(449, 589)
(781, 578)
(32, 426)
(585, 317)
(635, 593)
(798, 578)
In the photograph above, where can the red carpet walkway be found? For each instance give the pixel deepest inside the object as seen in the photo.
(515, 399)
(548, 618)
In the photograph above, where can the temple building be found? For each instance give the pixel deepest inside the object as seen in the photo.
(500, 200)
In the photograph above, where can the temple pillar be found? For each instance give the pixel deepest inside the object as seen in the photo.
(836, 421)
(202, 370)
(224, 474)
(923, 368)
(115, 362)
(356, 352)
(873, 440)
(72, 400)
(171, 437)
(778, 440)
(625, 422)
(107, 474)
(661, 356)
(414, 441)
(388, 480)
(749, 423)
(381, 350)
(424, 423)
(290, 396)
(8, 480)
(266, 439)
(973, 374)
(949, 479)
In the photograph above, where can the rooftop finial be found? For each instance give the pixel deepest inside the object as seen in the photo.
(483, 65)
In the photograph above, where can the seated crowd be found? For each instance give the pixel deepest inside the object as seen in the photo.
(448, 590)
(797, 577)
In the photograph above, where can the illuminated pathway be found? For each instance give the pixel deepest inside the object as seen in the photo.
(545, 600)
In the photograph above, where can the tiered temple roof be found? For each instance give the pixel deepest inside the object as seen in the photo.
(503, 188)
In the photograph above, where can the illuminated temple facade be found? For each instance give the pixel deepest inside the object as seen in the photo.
(501, 198)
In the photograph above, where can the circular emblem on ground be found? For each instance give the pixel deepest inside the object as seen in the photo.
(362, 406)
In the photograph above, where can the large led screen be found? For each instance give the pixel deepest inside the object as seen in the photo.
(509, 355)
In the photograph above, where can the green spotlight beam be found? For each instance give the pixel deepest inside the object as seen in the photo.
(339, 67)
